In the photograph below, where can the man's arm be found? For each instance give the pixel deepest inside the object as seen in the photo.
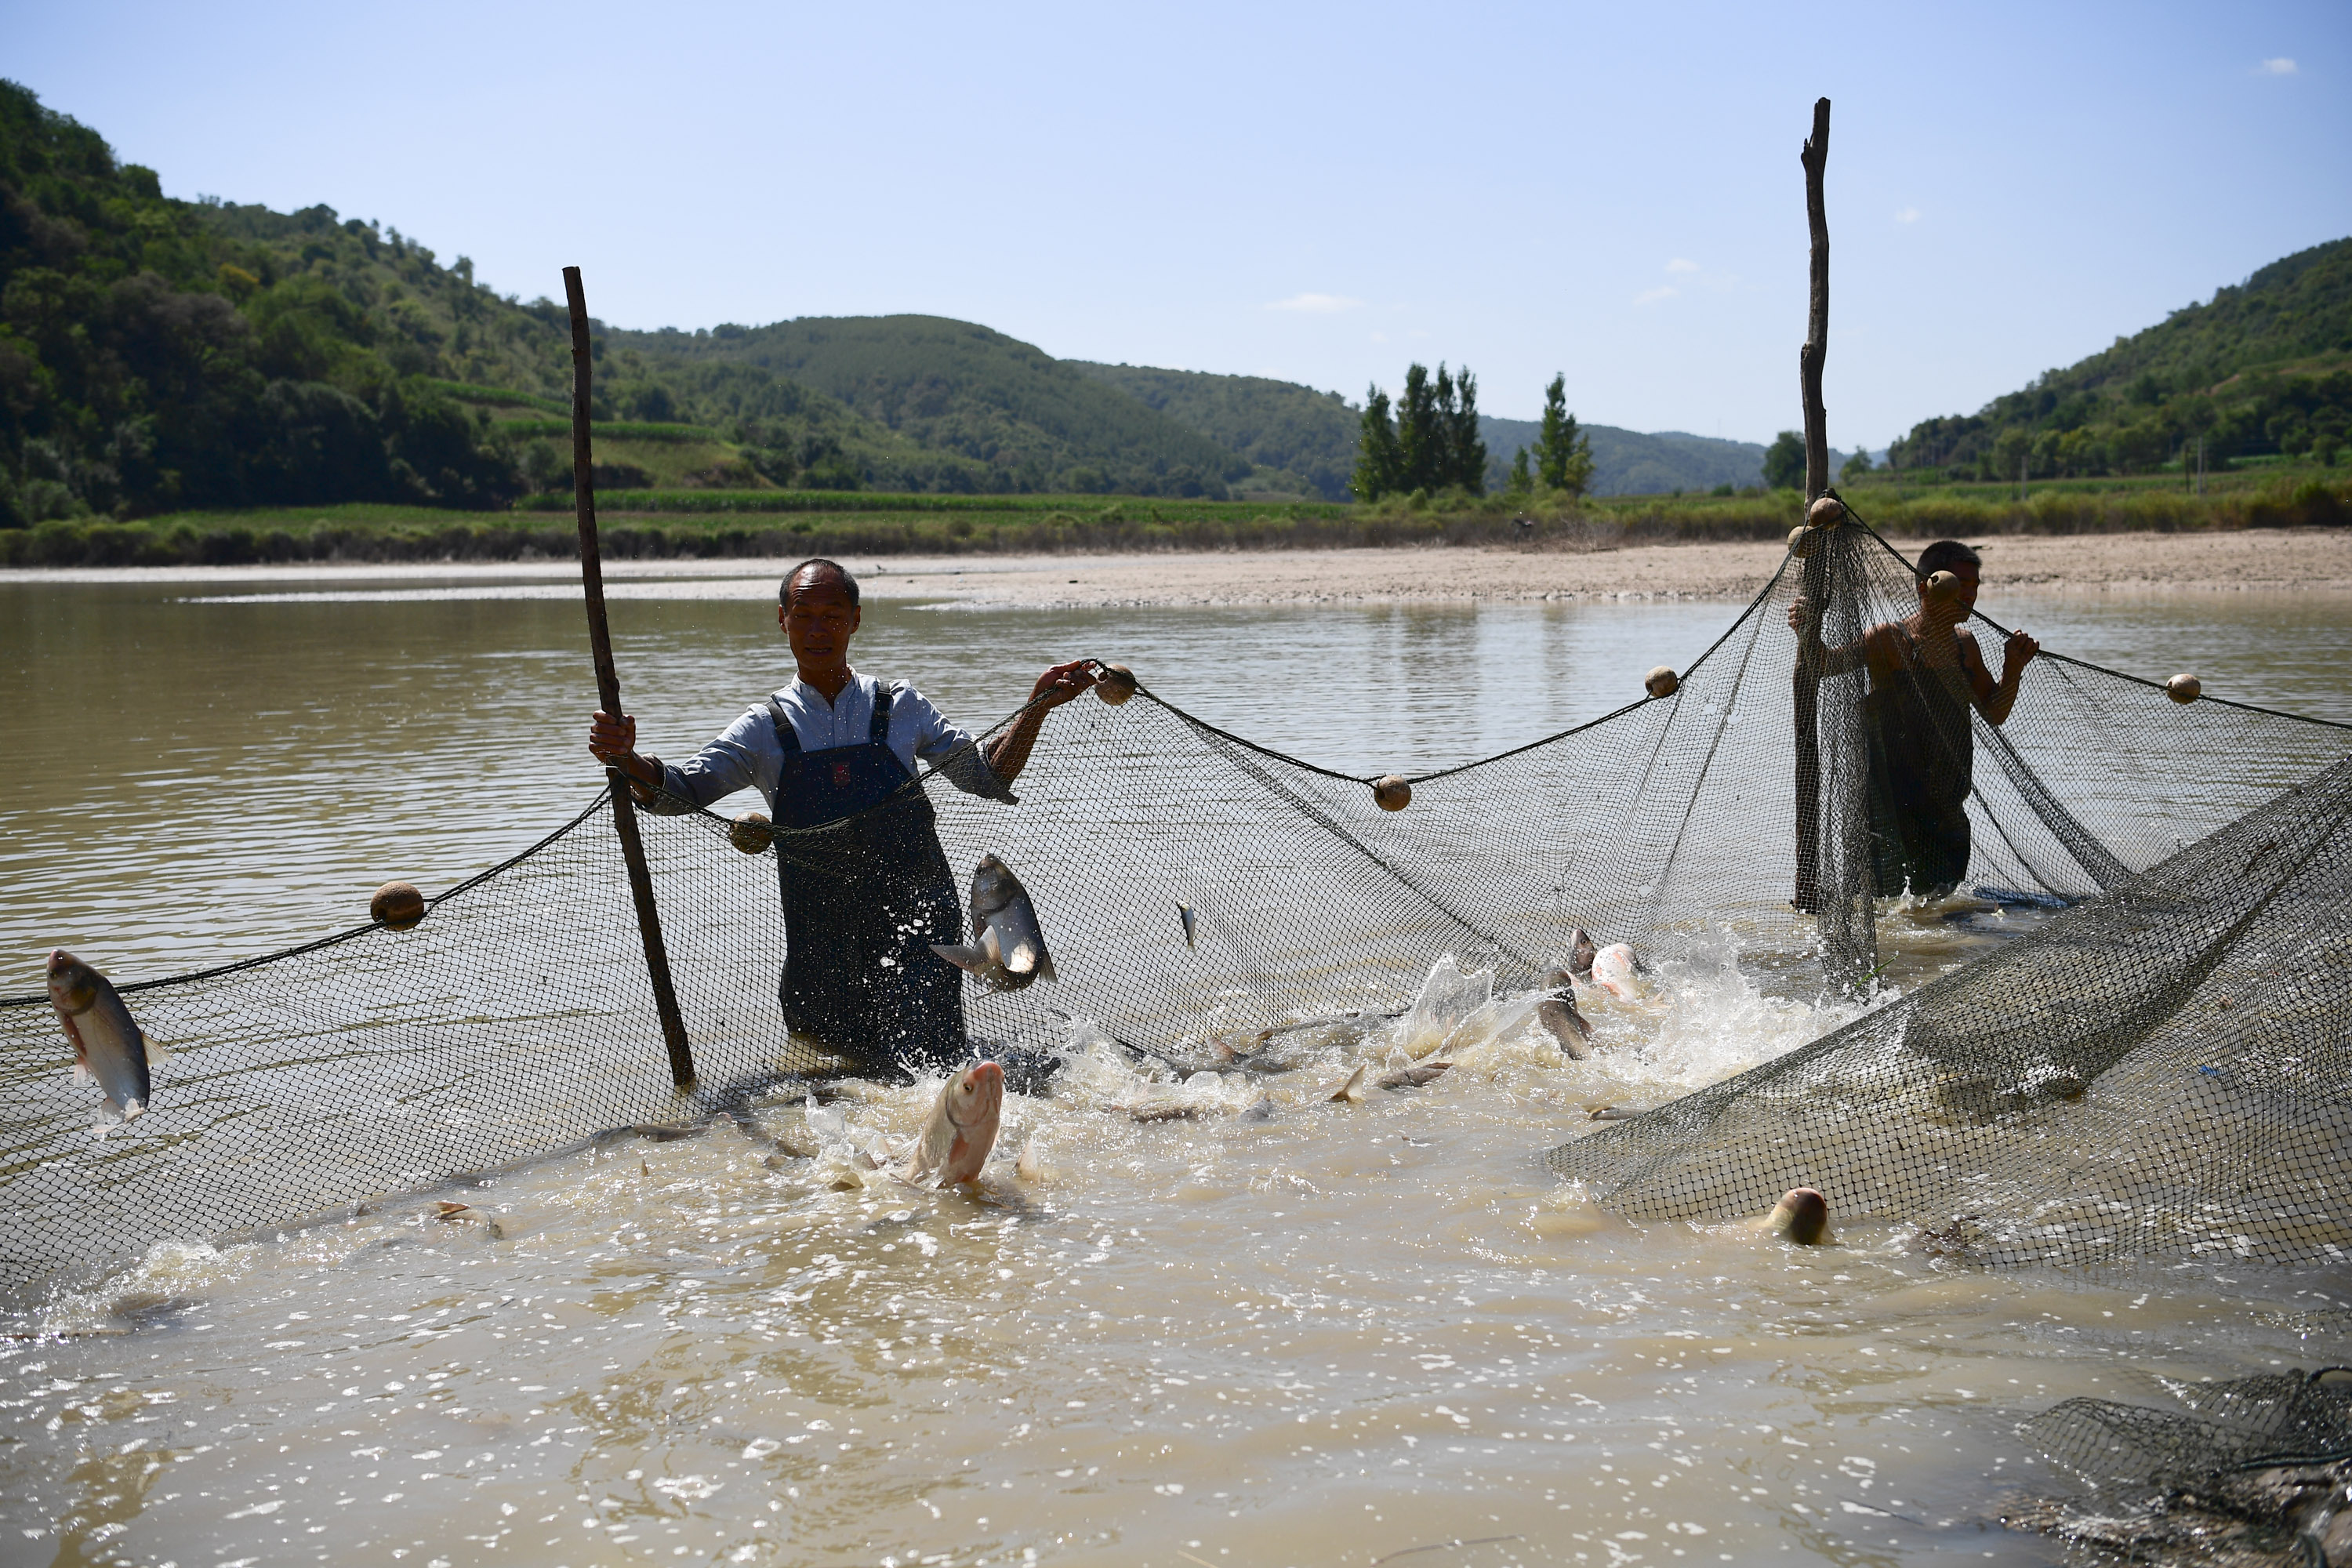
(1995, 698)
(1812, 654)
(728, 763)
(1009, 753)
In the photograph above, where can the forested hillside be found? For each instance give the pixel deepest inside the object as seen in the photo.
(1294, 438)
(1024, 420)
(2263, 367)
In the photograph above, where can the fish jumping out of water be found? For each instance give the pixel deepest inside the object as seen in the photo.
(1580, 948)
(1617, 971)
(110, 1048)
(1419, 1076)
(959, 1132)
(1007, 949)
(1558, 1014)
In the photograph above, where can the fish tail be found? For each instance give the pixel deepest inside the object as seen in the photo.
(971, 959)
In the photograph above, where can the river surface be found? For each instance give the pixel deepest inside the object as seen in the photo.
(1322, 1333)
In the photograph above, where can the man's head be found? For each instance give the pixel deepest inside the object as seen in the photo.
(817, 607)
(1962, 562)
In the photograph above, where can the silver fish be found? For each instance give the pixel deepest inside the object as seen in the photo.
(1414, 1076)
(1185, 917)
(959, 1132)
(1007, 950)
(110, 1047)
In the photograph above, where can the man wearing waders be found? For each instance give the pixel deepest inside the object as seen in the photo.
(864, 901)
(1924, 676)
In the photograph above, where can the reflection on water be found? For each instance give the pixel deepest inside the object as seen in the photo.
(1260, 1327)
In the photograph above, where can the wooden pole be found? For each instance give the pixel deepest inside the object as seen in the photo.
(1808, 683)
(608, 692)
(1817, 315)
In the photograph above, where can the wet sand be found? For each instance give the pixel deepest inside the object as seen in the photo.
(2253, 561)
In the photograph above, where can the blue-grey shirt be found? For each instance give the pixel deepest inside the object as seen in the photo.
(748, 752)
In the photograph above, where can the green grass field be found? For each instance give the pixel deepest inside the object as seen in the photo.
(717, 524)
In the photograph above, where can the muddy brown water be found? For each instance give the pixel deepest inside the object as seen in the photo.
(1270, 1330)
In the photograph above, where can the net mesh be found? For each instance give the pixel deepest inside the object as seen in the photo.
(2197, 1009)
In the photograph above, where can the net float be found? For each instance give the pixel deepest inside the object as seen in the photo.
(1942, 584)
(2184, 688)
(396, 906)
(1827, 511)
(1661, 682)
(1391, 792)
(1116, 684)
(1803, 1215)
(1803, 541)
(749, 832)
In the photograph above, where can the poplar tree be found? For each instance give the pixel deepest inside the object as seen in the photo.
(1423, 436)
(1379, 461)
(1563, 453)
(1468, 467)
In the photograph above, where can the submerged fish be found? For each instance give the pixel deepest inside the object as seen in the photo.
(110, 1048)
(961, 1130)
(1007, 950)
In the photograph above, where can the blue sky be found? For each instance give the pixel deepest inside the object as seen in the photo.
(1320, 192)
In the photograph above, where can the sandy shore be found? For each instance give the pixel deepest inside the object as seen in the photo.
(2254, 560)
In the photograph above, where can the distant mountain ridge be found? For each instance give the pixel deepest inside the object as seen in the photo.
(1285, 428)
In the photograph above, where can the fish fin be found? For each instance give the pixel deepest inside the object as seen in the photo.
(970, 960)
(134, 1109)
(158, 1053)
(81, 1072)
(1351, 1091)
(993, 945)
(1046, 963)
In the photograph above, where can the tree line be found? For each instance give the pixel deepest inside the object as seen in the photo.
(1428, 443)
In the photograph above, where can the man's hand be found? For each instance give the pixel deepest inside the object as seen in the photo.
(1800, 616)
(1062, 682)
(611, 740)
(2016, 652)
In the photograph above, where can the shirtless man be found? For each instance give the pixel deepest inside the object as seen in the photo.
(1926, 673)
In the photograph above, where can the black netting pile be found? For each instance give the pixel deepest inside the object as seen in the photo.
(2199, 1011)
(2250, 1471)
(2267, 1422)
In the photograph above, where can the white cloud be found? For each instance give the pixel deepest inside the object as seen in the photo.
(1316, 304)
(1679, 265)
(1907, 214)
(2279, 66)
(1651, 296)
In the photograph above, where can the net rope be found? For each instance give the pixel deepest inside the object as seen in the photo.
(1742, 813)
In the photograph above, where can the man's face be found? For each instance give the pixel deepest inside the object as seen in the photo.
(819, 620)
(1959, 606)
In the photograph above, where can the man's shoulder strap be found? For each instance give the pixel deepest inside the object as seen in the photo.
(786, 736)
(883, 692)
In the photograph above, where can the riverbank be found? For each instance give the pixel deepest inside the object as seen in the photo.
(2254, 560)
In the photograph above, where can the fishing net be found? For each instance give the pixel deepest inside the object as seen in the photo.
(2253, 1470)
(1744, 812)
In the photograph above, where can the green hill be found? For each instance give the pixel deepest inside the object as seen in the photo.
(2263, 368)
(1022, 420)
(1295, 440)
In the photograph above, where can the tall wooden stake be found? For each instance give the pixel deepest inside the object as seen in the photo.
(1807, 716)
(608, 692)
